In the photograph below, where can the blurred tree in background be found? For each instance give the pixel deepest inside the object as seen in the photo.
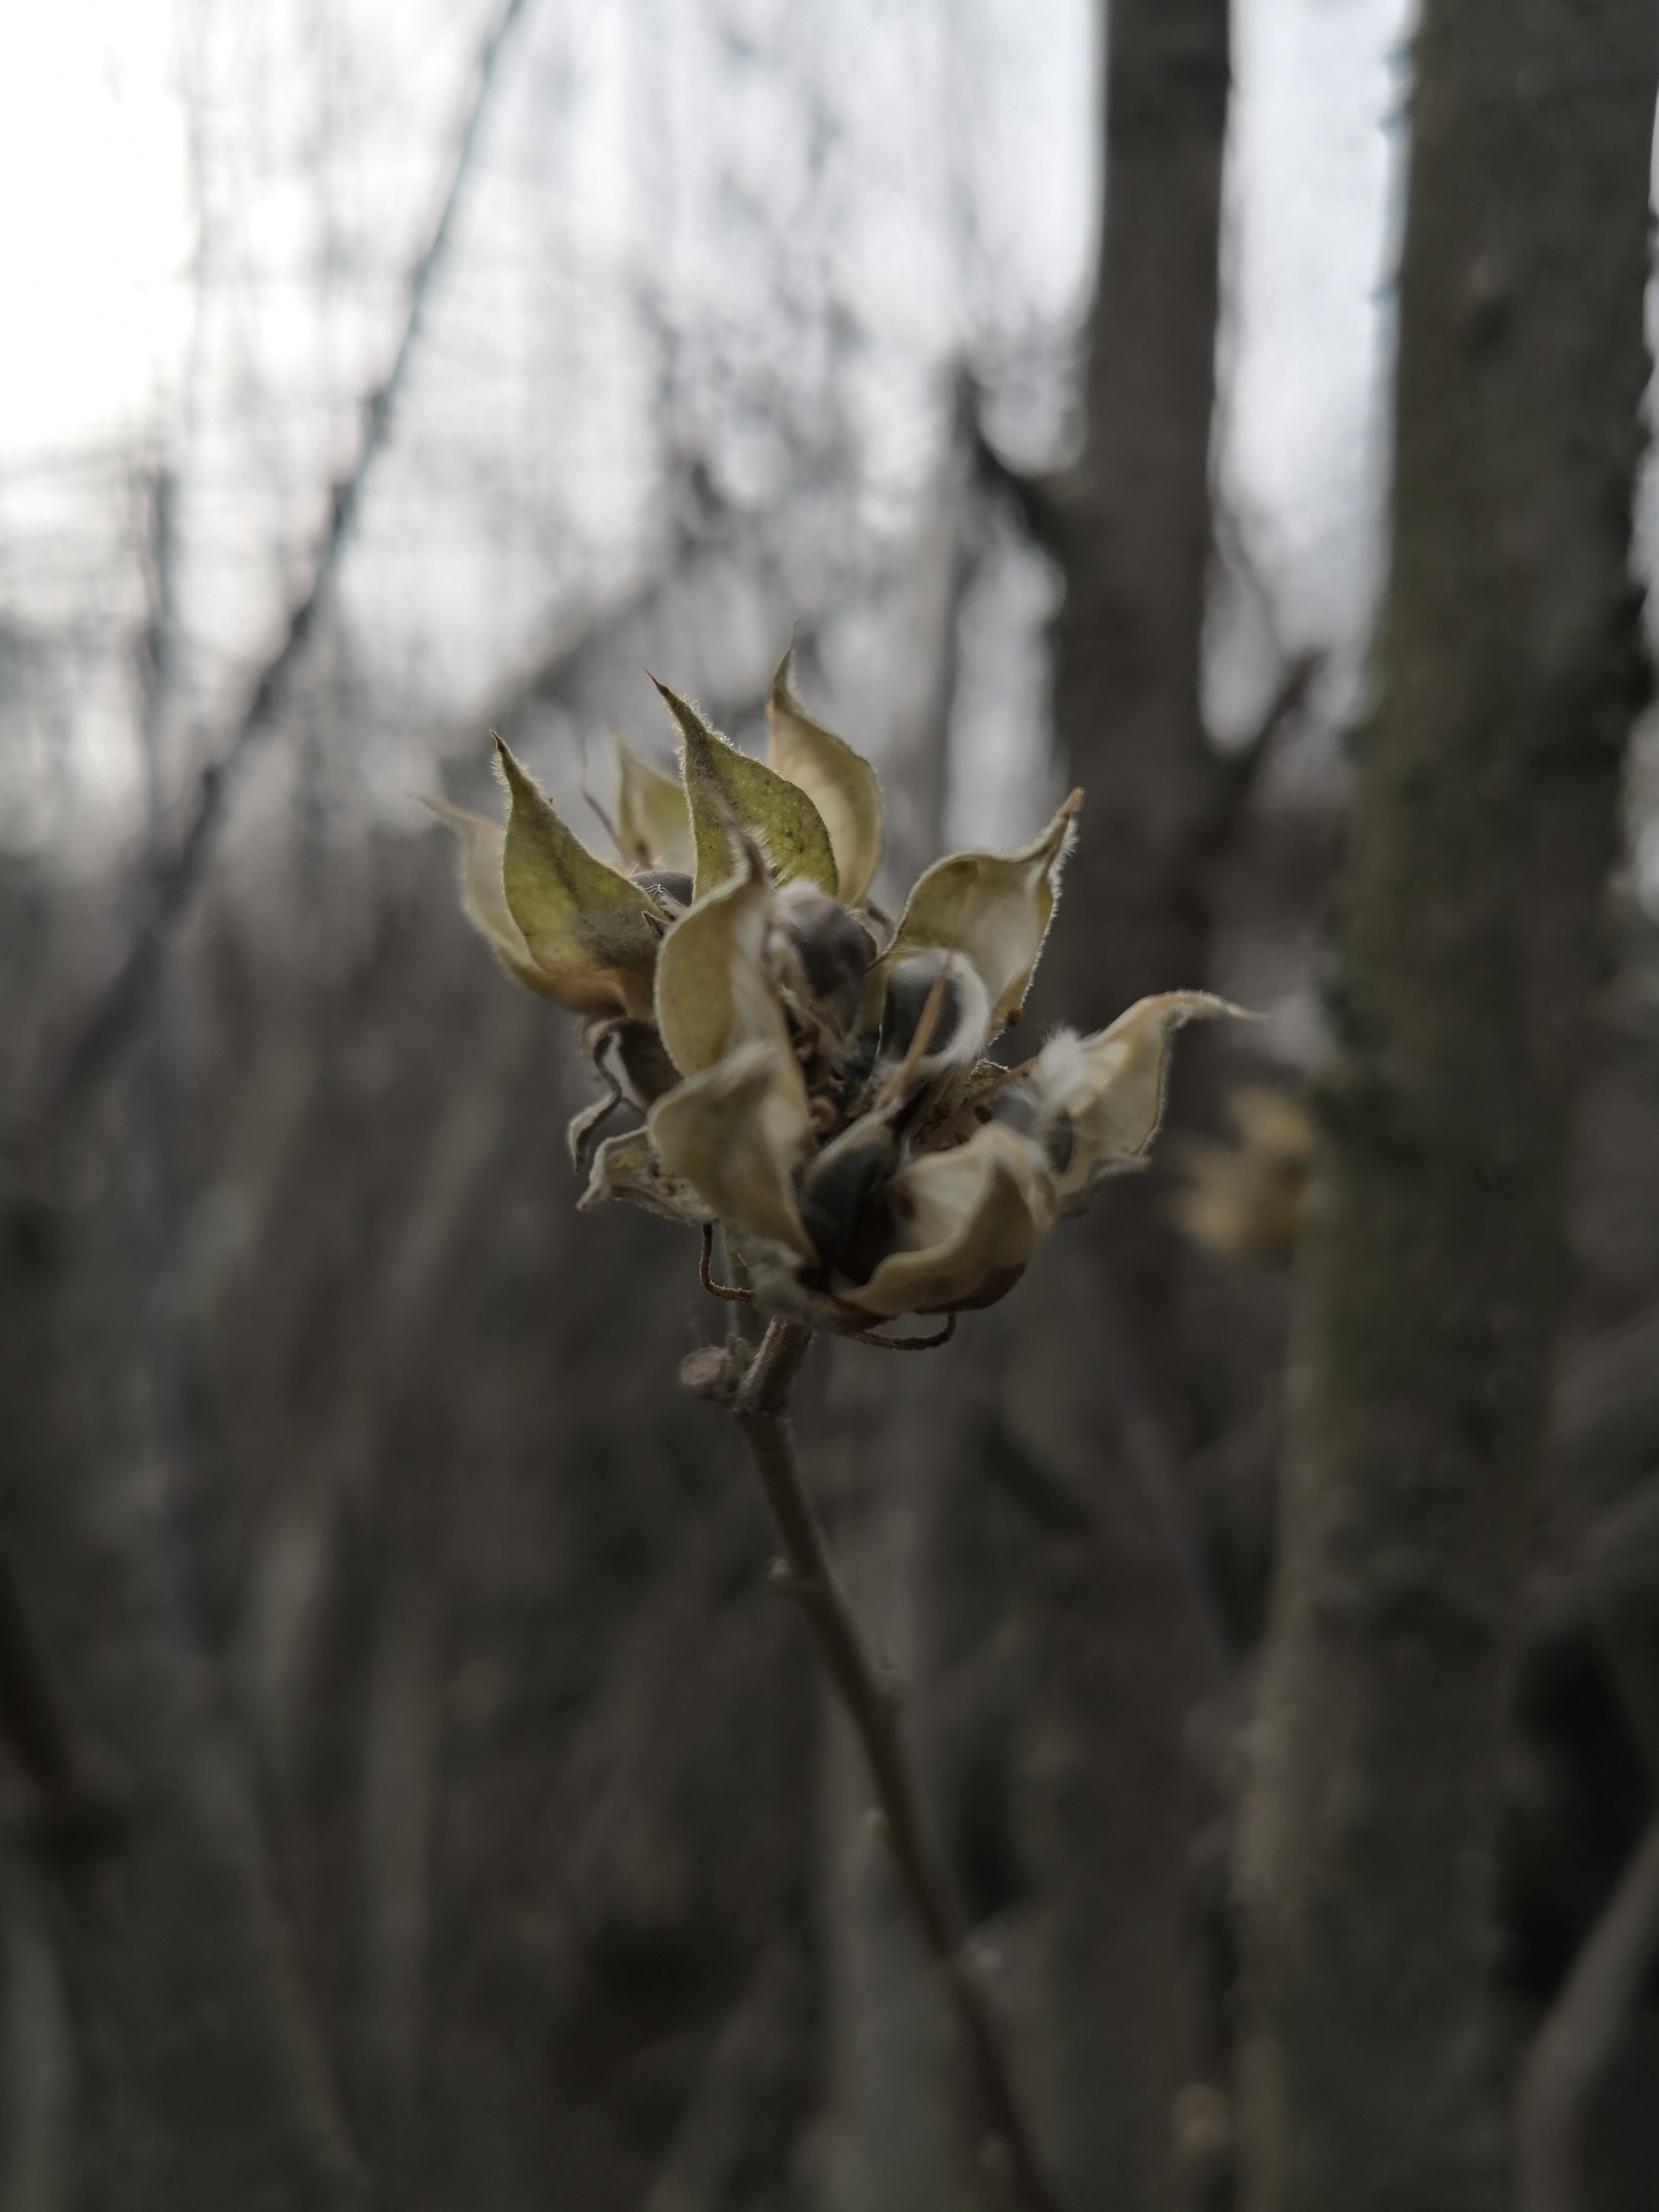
(1483, 823)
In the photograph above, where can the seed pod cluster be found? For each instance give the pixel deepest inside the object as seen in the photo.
(814, 1080)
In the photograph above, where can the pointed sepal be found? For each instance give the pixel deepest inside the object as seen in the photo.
(993, 908)
(840, 782)
(723, 785)
(654, 825)
(590, 933)
(482, 896)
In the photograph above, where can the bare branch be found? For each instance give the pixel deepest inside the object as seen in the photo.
(95, 1051)
(758, 1392)
(1238, 775)
(734, 1295)
(1039, 501)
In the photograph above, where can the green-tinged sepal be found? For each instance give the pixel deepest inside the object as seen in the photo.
(993, 908)
(1111, 1087)
(840, 782)
(969, 1221)
(590, 933)
(653, 824)
(737, 1133)
(482, 896)
(723, 785)
(630, 1167)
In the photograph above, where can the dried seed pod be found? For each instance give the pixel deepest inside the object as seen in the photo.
(822, 951)
(817, 1087)
(945, 990)
(670, 887)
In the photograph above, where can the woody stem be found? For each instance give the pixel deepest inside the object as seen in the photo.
(758, 1397)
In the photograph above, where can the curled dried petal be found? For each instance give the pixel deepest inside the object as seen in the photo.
(630, 1167)
(1111, 1086)
(737, 1133)
(969, 1221)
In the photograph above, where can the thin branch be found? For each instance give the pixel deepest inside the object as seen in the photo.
(96, 1050)
(1237, 775)
(732, 1294)
(1039, 501)
(1576, 2037)
(758, 1392)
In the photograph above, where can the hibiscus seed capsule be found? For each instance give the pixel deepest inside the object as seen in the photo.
(827, 949)
(961, 1015)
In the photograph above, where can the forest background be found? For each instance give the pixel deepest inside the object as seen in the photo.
(414, 1792)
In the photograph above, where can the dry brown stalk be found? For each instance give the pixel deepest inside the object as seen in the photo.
(756, 1387)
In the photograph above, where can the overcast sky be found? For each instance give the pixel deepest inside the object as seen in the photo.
(779, 213)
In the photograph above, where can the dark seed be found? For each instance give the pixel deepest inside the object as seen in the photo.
(1017, 1107)
(833, 951)
(637, 1056)
(909, 984)
(860, 1059)
(844, 1203)
(670, 888)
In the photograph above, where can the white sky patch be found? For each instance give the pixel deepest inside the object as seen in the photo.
(97, 229)
(758, 233)
(1316, 131)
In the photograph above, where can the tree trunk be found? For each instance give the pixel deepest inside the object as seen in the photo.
(1483, 824)
(1132, 524)
(201, 2077)
(1109, 1812)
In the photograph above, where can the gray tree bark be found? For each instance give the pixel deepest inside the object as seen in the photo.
(1131, 523)
(1483, 824)
(1108, 1808)
(201, 2074)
